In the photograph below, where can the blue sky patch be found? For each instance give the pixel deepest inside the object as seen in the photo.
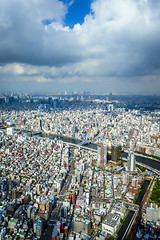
(77, 12)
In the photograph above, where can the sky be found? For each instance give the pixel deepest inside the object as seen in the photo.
(53, 46)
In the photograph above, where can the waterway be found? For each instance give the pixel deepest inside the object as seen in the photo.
(150, 162)
(131, 213)
(142, 192)
(67, 139)
(125, 225)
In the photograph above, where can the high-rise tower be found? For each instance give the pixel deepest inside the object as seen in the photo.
(131, 161)
(101, 156)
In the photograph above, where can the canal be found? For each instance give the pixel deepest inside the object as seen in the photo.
(131, 213)
(142, 192)
(125, 225)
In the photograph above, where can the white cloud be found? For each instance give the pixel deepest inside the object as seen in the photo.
(118, 40)
(41, 79)
(15, 68)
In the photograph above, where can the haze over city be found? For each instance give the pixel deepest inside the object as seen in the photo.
(83, 45)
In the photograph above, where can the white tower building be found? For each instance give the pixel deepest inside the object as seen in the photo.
(131, 162)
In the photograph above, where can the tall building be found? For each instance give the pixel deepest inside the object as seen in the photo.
(10, 186)
(38, 226)
(14, 193)
(28, 187)
(38, 189)
(131, 162)
(110, 107)
(73, 197)
(40, 124)
(48, 206)
(10, 131)
(101, 156)
(116, 154)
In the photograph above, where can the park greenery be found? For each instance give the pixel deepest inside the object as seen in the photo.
(141, 168)
(155, 196)
(147, 155)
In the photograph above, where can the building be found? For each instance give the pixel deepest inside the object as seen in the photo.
(28, 187)
(10, 131)
(81, 225)
(111, 223)
(48, 206)
(73, 197)
(56, 231)
(101, 156)
(40, 124)
(14, 193)
(116, 154)
(152, 213)
(81, 201)
(131, 162)
(38, 227)
(12, 223)
(110, 107)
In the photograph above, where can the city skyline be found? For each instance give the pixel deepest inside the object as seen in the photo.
(73, 45)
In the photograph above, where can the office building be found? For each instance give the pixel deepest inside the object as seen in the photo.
(116, 154)
(101, 156)
(111, 223)
(131, 162)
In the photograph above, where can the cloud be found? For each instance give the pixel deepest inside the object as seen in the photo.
(43, 79)
(14, 68)
(118, 42)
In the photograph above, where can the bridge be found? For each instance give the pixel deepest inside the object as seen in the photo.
(131, 206)
(80, 146)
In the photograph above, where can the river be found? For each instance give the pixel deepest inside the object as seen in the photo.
(150, 162)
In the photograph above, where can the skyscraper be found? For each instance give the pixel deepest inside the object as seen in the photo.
(101, 156)
(14, 193)
(131, 162)
(116, 154)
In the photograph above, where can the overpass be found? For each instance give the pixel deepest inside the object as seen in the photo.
(80, 146)
(131, 206)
